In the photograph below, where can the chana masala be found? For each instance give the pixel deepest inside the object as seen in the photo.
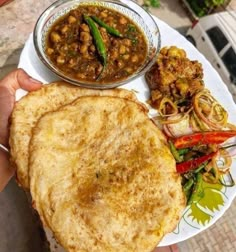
(97, 44)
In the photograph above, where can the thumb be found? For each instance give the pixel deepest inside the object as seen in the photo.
(19, 79)
(8, 86)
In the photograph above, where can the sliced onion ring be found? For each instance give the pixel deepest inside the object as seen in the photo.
(216, 118)
(165, 101)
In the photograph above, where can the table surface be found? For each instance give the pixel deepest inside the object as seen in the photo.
(17, 20)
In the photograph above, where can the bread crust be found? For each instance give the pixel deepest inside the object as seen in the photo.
(31, 107)
(102, 176)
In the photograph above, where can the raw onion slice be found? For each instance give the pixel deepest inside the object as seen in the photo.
(209, 110)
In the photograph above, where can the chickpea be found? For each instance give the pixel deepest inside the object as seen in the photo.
(103, 30)
(92, 48)
(126, 56)
(71, 19)
(115, 42)
(103, 14)
(128, 69)
(127, 42)
(85, 36)
(64, 29)
(83, 49)
(50, 51)
(127, 49)
(120, 63)
(122, 49)
(80, 76)
(55, 37)
(60, 60)
(134, 58)
(74, 46)
(86, 55)
(123, 20)
(65, 48)
(114, 54)
(72, 63)
(84, 28)
(91, 9)
(110, 19)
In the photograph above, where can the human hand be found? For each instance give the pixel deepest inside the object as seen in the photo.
(8, 86)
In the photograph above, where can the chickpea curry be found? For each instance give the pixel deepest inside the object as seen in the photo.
(96, 44)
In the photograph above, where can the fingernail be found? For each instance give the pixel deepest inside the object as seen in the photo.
(35, 81)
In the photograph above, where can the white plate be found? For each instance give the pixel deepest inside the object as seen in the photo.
(204, 216)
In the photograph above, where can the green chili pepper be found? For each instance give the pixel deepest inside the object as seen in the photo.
(175, 153)
(183, 151)
(197, 190)
(187, 188)
(109, 29)
(100, 46)
(188, 185)
(200, 167)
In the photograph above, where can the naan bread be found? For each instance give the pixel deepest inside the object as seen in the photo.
(35, 104)
(102, 177)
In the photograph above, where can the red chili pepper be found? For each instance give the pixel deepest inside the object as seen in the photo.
(194, 163)
(209, 137)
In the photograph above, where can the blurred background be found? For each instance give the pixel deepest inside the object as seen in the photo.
(213, 35)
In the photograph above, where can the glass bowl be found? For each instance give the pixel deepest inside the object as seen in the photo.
(132, 10)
